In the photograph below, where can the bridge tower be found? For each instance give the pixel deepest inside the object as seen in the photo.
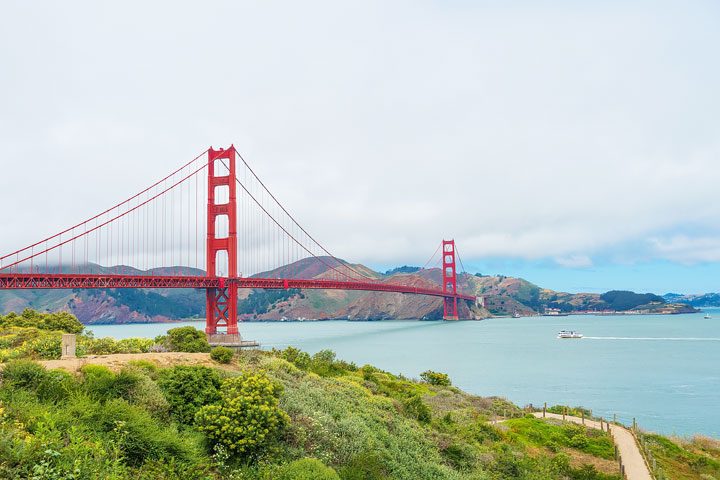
(449, 280)
(221, 304)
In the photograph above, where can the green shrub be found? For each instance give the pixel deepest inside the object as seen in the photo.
(306, 469)
(186, 339)
(222, 354)
(579, 441)
(365, 466)
(134, 431)
(47, 346)
(23, 374)
(248, 416)
(187, 388)
(58, 321)
(436, 378)
(134, 345)
(56, 386)
(149, 368)
(323, 363)
(460, 456)
(483, 432)
(295, 356)
(414, 407)
(573, 411)
(98, 381)
(148, 395)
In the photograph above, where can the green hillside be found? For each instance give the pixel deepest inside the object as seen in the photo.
(262, 415)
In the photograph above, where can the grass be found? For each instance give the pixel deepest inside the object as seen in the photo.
(553, 435)
(684, 459)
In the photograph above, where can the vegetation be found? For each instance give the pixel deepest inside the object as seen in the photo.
(247, 418)
(184, 339)
(403, 269)
(621, 300)
(60, 321)
(38, 336)
(683, 459)
(151, 303)
(436, 378)
(222, 354)
(261, 301)
(188, 388)
(282, 414)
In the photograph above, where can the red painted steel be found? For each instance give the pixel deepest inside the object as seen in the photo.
(221, 286)
(221, 301)
(25, 281)
(449, 280)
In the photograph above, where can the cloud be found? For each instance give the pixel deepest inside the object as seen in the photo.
(559, 131)
(574, 261)
(687, 250)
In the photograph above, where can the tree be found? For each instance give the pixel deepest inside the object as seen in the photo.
(188, 388)
(415, 408)
(436, 378)
(222, 354)
(247, 417)
(185, 339)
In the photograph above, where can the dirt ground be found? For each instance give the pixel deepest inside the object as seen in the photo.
(119, 360)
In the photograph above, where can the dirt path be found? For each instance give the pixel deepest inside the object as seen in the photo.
(635, 467)
(119, 360)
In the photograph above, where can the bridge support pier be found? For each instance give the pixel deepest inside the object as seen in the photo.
(221, 304)
(449, 279)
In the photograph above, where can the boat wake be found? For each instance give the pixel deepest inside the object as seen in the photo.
(673, 339)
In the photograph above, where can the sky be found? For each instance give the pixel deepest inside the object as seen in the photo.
(575, 144)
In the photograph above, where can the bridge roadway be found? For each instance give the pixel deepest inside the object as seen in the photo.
(25, 281)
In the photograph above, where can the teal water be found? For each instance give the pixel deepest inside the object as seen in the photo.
(663, 370)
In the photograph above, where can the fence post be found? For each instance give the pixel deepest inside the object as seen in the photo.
(582, 414)
(544, 409)
(564, 412)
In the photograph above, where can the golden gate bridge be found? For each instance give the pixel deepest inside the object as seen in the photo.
(211, 224)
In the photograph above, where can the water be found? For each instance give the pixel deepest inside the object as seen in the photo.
(663, 370)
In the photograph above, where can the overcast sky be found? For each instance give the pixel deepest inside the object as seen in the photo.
(574, 143)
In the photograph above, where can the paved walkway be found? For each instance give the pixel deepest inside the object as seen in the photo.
(635, 467)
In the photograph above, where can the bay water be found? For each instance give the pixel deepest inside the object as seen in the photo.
(663, 370)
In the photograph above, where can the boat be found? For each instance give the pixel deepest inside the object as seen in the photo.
(707, 315)
(569, 334)
(515, 314)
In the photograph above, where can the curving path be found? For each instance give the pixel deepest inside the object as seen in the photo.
(635, 467)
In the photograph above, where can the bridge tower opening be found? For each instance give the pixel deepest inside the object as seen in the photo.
(449, 280)
(221, 304)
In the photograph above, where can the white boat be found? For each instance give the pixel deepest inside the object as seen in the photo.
(707, 315)
(569, 334)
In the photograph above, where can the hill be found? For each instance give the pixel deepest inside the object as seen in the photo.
(501, 296)
(698, 300)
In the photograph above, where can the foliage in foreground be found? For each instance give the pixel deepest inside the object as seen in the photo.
(222, 354)
(279, 415)
(246, 418)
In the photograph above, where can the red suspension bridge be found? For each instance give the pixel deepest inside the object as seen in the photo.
(200, 227)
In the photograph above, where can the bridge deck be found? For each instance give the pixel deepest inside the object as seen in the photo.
(24, 281)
